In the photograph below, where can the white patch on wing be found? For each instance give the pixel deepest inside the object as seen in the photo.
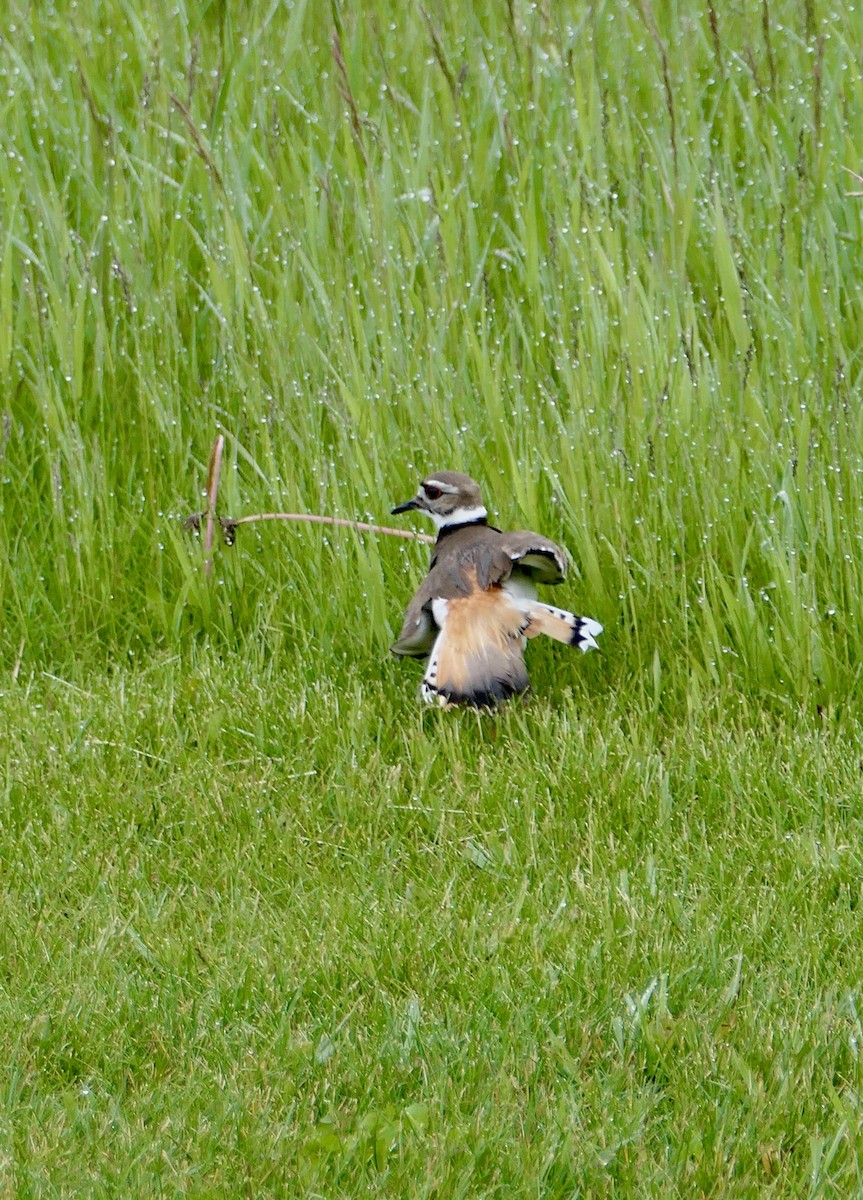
(440, 608)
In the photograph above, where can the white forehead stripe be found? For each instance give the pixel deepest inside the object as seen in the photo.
(442, 487)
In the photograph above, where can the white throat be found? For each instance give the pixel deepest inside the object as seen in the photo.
(459, 516)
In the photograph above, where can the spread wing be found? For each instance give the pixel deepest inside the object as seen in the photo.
(536, 556)
(418, 629)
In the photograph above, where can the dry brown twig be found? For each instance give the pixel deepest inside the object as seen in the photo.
(228, 525)
(213, 475)
(200, 146)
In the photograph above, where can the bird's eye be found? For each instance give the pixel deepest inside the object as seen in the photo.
(433, 493)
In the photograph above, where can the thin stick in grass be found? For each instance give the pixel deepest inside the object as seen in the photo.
(228, 525)
(213, 475)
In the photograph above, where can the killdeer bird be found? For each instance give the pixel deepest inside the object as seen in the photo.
(477, 605)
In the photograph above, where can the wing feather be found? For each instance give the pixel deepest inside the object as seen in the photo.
(543, 560)
(418, 630)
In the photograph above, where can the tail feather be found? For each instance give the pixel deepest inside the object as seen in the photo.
(561, 625)
(478, 656)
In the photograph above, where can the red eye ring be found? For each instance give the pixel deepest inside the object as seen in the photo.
(433, 493)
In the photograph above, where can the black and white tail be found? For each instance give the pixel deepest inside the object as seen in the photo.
(561, 625)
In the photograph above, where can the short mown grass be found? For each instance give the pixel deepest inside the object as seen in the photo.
(268, 927)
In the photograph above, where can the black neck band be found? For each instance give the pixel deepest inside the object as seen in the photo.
(447, 529)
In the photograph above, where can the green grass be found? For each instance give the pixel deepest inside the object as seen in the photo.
(268, 928)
